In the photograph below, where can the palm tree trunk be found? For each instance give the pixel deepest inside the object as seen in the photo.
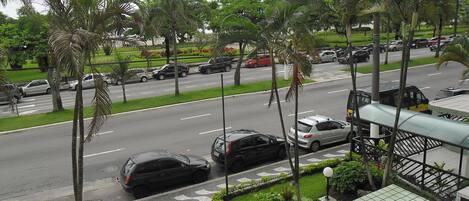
(53, 79)
(123, 91)
(296, 176)
(74, 148)
(388, 30)
(237, 76)
(166, 45)
(81, 127)
(279, 108)
(176, 67)
(455, 32)
(440, 26)
(403, 81)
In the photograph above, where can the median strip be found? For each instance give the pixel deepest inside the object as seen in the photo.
(28, 121)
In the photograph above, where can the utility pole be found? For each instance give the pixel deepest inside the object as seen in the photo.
(374, 129)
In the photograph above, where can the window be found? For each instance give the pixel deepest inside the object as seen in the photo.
(302, 127)
(245, 142)
(334, 125)
(129, 165)
(34, 83)
(147, 167)
(324, 126)
(261, 140)
(89, 77)
(42, 82)
(168, 164)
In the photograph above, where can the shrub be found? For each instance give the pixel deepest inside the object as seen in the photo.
(288, 192)
(348, 177)
(272, 196)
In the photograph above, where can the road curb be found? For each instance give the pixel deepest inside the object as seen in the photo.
(234, 175)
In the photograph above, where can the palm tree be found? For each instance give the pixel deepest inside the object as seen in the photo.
(77, 28)
(457, 51)
(176, 14)
(120, 72)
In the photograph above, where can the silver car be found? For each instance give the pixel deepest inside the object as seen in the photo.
(138, 75)
(88, 81)
(318, 130)
(36, 87)
(328, 56)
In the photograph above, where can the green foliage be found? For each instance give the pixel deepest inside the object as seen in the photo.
(287, 192)
(271, 196)
(317, 167)
(349, 176)
(354, 156)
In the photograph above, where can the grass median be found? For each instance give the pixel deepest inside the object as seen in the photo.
(27, 121)
(397, 65)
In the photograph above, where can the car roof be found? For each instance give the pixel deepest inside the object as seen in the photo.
(313, 120)
(238, 134)
(384, 87)
(150, 156)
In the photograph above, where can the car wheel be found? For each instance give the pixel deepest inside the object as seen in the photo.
(281, 154)
(208, 71)
(314, 146)
(227, 68)
(161, 77)
(199, 176)
(334, 59)
(144, 79)
(48, 91)
(76, 88)
(183, 74)
(118, 83)
(140, 192)
(237, 166)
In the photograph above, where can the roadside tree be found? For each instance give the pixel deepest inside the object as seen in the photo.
(120, 72)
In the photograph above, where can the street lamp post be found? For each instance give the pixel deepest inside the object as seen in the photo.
(328, 172)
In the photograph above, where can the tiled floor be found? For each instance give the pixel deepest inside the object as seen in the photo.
(391, 193)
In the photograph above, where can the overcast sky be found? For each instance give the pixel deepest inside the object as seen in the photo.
(12, 7)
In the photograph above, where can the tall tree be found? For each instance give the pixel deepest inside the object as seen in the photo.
(120, 72)
(77, 28)
(439, 12)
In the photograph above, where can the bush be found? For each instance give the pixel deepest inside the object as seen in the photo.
(288, 192)
(350, 176)
(272, 196)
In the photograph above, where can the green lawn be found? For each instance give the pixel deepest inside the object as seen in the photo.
(12, 123)
(396, 65)
(312, 187)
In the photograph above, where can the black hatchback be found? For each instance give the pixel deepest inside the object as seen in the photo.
(247, 147)
(142, 172)
(358, 56)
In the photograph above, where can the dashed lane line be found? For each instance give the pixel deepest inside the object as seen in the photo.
(104, 152)
(195, 116)
(337, 91)
(212, 131)
(305, 112)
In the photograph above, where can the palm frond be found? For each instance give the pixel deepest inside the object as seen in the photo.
(68, 52)
(101, 105)
(457, 51)
(297, 80)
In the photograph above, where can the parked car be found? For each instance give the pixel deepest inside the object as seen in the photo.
(138, 75)
(221, 64)
(262, 60)
(328, 56)
(443, 45)
(9, 91)
(358, 56)
(396, 46)
(451, 91)
(35, 87)
(141, 172)
(420, 43)
(316, 131)
(246, 147)
(369, 48)
(169, 71)
(434, 40)
(88, 81)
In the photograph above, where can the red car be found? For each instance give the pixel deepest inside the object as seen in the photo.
(263, 60)
(434, 40)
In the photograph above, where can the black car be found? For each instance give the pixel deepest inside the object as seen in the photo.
(247, 147)
(358, 56)
(420, 43)
(221, 64)
(168, 70)
(10, 92)
(369, 48)
(142, 172)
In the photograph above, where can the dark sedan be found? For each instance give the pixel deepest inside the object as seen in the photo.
(161, 168)
(358, 56)
(247, 147)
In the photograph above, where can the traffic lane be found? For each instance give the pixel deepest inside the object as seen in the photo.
(204, 143)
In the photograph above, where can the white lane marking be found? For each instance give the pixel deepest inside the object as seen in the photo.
(432, 74)
(204, 192)
(343, 151)
(104, 152)
(266, 174)
(105, 133)
(266, 69)
(28, 112)
(282, 101)
(26, 106)
(281, 169)
(426, 88)
(395, 81)
(166, 90)
(187, 82)
(191, 86)
(333, 155)
(223, 186)
(243, 180)
(305, 112)
(196, 116)
(29, 100)
(314, 160)
(216, 130)
(199, 198)
(209, 83)
(146, 92)
(338, 91)
(249, 78)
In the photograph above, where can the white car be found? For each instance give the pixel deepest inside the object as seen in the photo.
(36, 87)
(328, 56)
(396, 45)
(318, 130)
(88, 81)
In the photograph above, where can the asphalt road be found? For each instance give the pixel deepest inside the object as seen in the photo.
(39, 159)
(42, 103)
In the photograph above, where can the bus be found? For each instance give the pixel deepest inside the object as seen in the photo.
(413, 98)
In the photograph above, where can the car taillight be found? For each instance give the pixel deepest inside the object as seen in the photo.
(127, 180)
(308, 136)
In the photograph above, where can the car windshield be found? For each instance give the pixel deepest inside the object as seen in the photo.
(219, 145)
(211, 61)
(302, 127)
(181, 158)
(128, 167)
